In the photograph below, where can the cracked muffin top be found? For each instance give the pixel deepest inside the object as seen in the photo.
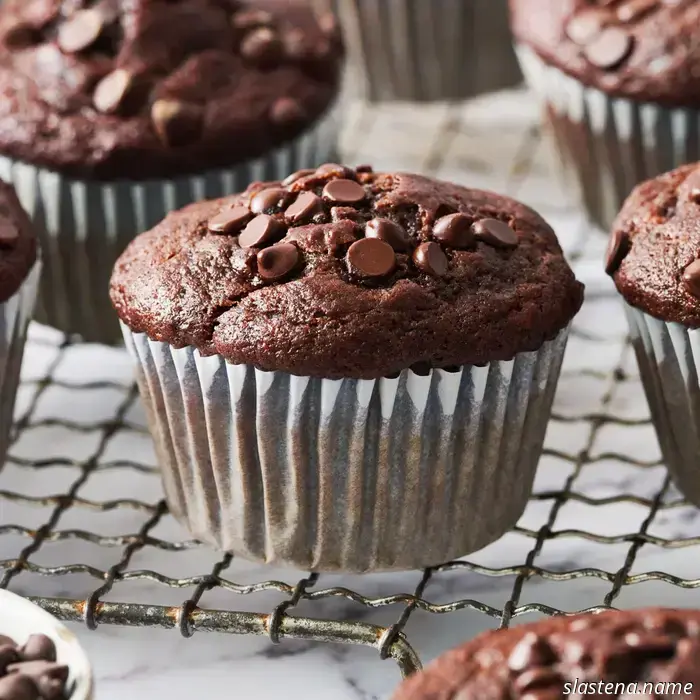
(646, 50)
(18, 245)
(342, 272)
(111, 89)
(654, 250)
(633, 653)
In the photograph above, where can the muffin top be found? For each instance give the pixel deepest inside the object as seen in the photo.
(111, 89)
(18, 245)
(646, 50)
(343, 272)
(537, 661)
(654, 249)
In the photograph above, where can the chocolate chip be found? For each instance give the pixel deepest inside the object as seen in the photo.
(454, 230)
(530, 651)
(262, 231)
(230, 221)
(8, 655)
(372, 258)
(176, 123)
(618, 247)
(22, 35)
(16, 687)
(691, 278)
(250, 19)
(389, 232)
(429, 258)
(496, 233)
(305, 208)
(610, 48)
(9, 234)
(583, 27)
(287, 110)
(278, 261)
(38, 647)
(81, 31)
(344, 191)
(262, 47)
(269, 200)
(112, 91)
(290, 179)
(634, 9)
(334, 169)
(47, 676)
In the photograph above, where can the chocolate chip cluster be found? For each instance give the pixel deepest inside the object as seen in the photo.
(133, 49)
(602, 33)
(30, 671)
(333, 193)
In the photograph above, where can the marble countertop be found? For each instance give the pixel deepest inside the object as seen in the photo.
(602, 496)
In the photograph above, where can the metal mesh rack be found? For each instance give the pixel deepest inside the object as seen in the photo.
(603, 525)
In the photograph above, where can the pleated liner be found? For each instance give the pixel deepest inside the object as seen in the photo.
(426, 50)
(668, 355)
(610, 144)
(15, 314)
(85, 226)
(351, 475)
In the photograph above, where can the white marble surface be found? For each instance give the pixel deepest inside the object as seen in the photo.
(487, 144)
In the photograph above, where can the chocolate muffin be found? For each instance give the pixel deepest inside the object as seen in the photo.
(19, 277)
(621, 84)
(116, 112)
(653, 260)
(378, 353)
(651, 653)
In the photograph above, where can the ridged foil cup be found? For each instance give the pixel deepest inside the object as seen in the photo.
(609, 144)
(346, 475)
(84, 226)
(668, 355)
(15, 314)
(427, 50)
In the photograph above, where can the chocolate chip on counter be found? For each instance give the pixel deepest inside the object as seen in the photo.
(291, 179)
(251, 19)
(618, 247)
(230, 221)
(344, 191)
(176, 123)
(287, 110)
(80, 31)
(278, 261)
(306, 206)
(262, 47)
(429, 258)
(496, 233)
(371, 258)
(584, 26)
(112, 91)
(262, 231)
(389, 232)
(9, 234)
(530, 651)
(269, 199)
(454, 230)
(691, 278)
(610, 48)
(632, 9)
(38, 647)
(334, 169)
(17, 687)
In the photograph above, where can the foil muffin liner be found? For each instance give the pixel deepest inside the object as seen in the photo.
(423, 50)
(84, 226)
(668, 355)
(15, 314)
(346, 475)
(608, 145)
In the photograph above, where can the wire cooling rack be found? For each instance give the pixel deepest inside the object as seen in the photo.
(85, 533)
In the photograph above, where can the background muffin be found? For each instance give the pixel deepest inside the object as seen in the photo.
(343, 370)
(19, 276)
(621, 88)
(559, 657)
(116, 113)
(653, 259)
(422, 50)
